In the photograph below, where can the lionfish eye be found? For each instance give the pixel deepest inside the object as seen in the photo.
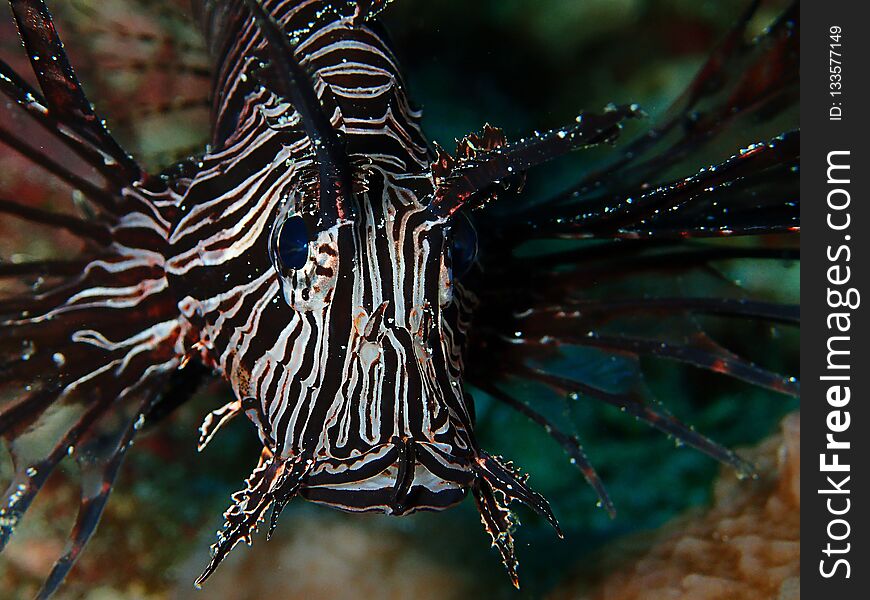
(463, 245)
(292, 243)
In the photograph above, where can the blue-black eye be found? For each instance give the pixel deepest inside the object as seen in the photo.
(463, 245)
(292, 243)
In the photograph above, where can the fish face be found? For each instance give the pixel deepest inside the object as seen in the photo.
(365, 378)
(340, 321)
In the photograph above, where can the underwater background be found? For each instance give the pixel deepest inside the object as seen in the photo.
(521, 65)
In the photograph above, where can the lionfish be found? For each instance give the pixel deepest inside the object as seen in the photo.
(348, 279)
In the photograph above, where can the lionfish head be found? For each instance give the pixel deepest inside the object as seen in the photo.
(367, 386)
(359, 402)
(357, 390)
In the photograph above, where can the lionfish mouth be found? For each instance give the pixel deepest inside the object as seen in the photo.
(399, 477)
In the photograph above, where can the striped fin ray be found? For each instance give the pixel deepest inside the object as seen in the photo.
(495, 486)
(87, 230)
(146, 67)
(566, 302)
(742, 87)
(569, 310)
(67, 374)
(64, 110)
(569, 443)
(83, 364)
(485, 160)
(273, 483)
(634, 217)
(752, 191)
(66, 101)
(86, 355)
(99, 457)
(743, 83)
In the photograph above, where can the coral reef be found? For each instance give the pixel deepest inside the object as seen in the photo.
(745, 546)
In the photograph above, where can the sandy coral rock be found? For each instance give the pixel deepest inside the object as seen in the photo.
(746, 546)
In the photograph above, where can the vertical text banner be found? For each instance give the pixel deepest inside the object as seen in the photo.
(835, 329)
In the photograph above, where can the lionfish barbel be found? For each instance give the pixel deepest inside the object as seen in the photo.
(335, 268)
